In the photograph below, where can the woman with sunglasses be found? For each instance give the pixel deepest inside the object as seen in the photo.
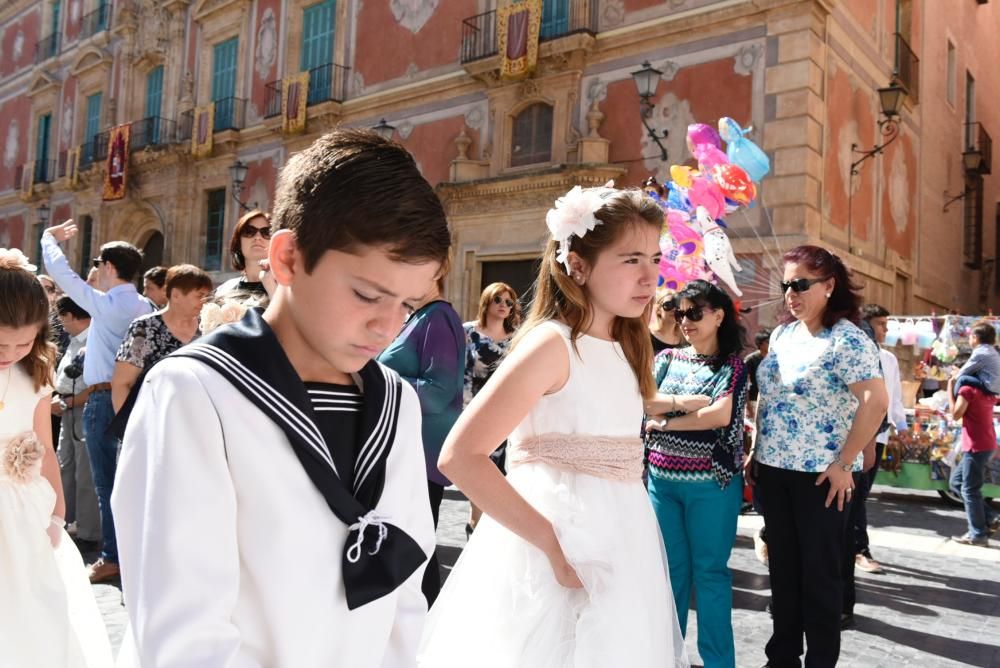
(694, 445)
(248, 248)
(664, 331)
(821, 400)
(487, 339)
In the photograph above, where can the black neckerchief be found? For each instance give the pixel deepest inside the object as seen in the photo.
(378, 556)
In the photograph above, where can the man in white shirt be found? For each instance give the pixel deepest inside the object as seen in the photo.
(113, 305)
(878, 318)
(82, 511)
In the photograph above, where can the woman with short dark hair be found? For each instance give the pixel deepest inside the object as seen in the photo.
(694, 448)
(822, 399)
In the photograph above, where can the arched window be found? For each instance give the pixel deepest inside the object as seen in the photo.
(531, 136)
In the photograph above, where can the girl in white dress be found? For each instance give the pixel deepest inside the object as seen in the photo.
(567, 568)
(48, 615)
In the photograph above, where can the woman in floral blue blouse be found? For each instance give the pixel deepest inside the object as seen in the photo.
(821, 401)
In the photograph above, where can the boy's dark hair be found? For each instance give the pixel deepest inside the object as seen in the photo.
(353, 188)
(984, 332)
(762, 336)
(157, 276)
(65, 305)
(869, 311)
(126, 259)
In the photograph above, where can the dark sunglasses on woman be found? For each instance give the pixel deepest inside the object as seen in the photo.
(694, 314)
(249, 232)
(669, 304)
(800, 284)
(497, 299)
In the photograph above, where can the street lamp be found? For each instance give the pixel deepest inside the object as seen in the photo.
(972, 162)
(43, 215)
(238, 174)
(384, 130)
(646, 81)
(891, 100)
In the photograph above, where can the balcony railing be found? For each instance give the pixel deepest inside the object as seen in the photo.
(907, 70)
(185, 125)
(63, 160)
(326, 82)
(479, 36)
(977, 140)
(272, 106)
(96, 21)
(579, 16)
(46, 47)
(151, 132)
(46, 171)
(100, 142)
(230, 114)
(479, 32)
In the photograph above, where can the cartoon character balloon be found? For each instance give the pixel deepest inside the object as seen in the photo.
(718, 251)
(735, 183)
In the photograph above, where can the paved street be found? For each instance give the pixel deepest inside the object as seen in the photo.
(937, 605)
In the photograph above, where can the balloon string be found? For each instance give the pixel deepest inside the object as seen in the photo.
(774, 263)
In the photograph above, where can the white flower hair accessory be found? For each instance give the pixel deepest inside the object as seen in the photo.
(573, 216)
(13, 258)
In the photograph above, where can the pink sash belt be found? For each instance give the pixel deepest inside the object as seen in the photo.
(609, 457)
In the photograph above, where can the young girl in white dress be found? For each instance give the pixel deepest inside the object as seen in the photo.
(567, 568)
(48, 615)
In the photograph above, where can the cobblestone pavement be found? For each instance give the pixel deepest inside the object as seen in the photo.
(937, 604)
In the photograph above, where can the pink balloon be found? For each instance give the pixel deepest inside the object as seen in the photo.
(701, 134)
(706, 193)
(709, 157)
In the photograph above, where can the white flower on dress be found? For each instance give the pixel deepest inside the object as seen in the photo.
(22, 457)
(573, 216)
(210, 318)
(13, 258)
(233, 312)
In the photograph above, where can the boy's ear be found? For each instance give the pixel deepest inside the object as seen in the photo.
(282, 254)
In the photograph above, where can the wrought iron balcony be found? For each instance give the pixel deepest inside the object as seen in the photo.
(479, 32)
(185, 125)
(272, 106)
(96, 21)
(46, 47)
(907, 70)
(326, 82)
(978, 141)
(230, 114)
(100, 142)
(479, 36)
(152, 132)
(45, 171)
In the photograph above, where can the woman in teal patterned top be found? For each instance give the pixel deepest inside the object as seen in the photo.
(694, 447)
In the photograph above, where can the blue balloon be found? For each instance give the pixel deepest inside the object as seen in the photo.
(743, 152)
(677, 198)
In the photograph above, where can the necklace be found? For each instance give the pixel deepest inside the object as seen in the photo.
(7, 387)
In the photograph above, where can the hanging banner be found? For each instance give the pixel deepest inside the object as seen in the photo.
(73, 167)
(116, 167)
(28, 181)
(294, 100)
(202, 130)
(518, 27)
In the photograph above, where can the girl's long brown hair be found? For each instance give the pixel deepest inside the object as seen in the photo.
(23, 303)
(558, 297)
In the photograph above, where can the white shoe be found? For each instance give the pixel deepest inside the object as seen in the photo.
(760, 546)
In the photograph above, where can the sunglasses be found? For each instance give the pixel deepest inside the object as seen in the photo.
(694, 314)
(669, 304)
(497, 299)
(249, 232)
(800, 284)
(97, 262)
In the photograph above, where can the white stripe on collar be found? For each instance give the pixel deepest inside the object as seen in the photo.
(378, 440)
(293, 417)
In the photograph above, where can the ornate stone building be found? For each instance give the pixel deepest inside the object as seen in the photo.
(803, 73)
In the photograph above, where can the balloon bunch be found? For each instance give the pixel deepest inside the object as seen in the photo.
(693, 241)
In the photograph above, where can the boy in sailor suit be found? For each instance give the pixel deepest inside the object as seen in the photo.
(271, 500)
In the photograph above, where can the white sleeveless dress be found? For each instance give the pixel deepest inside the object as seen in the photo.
(48, 615)
(576, 458)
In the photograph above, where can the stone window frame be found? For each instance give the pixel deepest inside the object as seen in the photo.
(218, 21)
(512, 120)
(93, 75)
(292, 33)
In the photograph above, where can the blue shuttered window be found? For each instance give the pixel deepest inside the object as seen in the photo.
(92, 128)
(224, 82)
(154, 100)
(555, 18)
(318, 26)
(213, 231)
(42, 166)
